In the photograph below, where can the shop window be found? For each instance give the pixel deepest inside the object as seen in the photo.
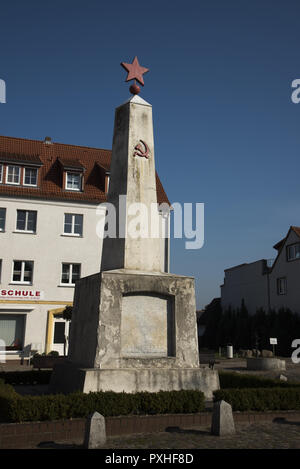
(12, 330)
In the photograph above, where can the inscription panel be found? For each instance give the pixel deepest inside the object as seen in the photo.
(146, 325)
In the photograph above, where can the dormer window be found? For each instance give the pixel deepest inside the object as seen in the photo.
(30, 177)
(103, 177)
(13, 174)
(293, 252)
(73, 181)
(19, 169)
(73, 172)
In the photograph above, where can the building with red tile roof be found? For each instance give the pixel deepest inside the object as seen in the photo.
(52, 158)
(50, 219)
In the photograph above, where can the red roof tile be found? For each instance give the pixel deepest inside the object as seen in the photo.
(6, 157)
(68, 163)
(280, 243)
(296, 229)
(51, 185)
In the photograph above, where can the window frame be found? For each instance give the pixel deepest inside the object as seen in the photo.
(7, 171)
(24, 175)
(73, 215)
(291, 259)
(281, 291)
(18, 230)
(3, 230)
(22, 281)
(70, 264)
(80, 181)
(21, 317)
(1, 172)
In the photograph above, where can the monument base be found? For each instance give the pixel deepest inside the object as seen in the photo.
(70, 378)
(134, 331)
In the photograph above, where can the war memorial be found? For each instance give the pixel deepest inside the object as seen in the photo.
(133, 326)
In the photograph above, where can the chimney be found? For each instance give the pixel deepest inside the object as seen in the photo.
(48, 141)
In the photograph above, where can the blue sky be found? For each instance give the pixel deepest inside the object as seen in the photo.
(226, 130)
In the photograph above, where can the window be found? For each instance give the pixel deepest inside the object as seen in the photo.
(293, 252)
(13, 174)
(73, 224)
(22, 272)
(1, 172)
(281, 286)
(26, 220)
(59, 333)
(30, 177)
(2, 218)
(12, 330)
(73, 181)
(70, 273)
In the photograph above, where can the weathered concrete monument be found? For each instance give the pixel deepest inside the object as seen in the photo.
(133, 326)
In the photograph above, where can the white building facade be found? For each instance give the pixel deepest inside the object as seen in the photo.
(266, 285)
(49, 226)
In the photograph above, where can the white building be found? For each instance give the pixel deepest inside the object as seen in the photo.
(49, 193)
(267, 285)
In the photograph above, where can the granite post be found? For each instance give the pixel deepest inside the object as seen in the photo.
(222, 419)
(95, 431)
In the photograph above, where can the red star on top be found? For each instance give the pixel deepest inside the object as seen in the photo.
(135, 71)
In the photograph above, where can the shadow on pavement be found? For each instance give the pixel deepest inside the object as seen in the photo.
(53, 445)
(284, 421)
(181, 430)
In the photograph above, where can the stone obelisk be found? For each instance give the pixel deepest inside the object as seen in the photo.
(133, 326)
(132, 191)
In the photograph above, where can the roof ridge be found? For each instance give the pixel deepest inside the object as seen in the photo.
(55, 143)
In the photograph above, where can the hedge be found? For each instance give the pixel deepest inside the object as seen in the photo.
(26, 377)
(240, 381)
(16, 408)
(260, 399)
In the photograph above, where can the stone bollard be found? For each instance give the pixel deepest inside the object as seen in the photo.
(95, 432)
(282, 378)
(222, 419)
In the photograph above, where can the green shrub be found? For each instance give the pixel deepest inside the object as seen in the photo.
(6, 388)
(26, 377)
(16, 408)
(7, 393)
(260, 399)
(240, 381)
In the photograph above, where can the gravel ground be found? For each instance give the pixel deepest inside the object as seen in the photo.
(284, 435)
(281, 434)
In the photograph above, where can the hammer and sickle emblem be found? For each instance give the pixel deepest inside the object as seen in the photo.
(140, 151)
